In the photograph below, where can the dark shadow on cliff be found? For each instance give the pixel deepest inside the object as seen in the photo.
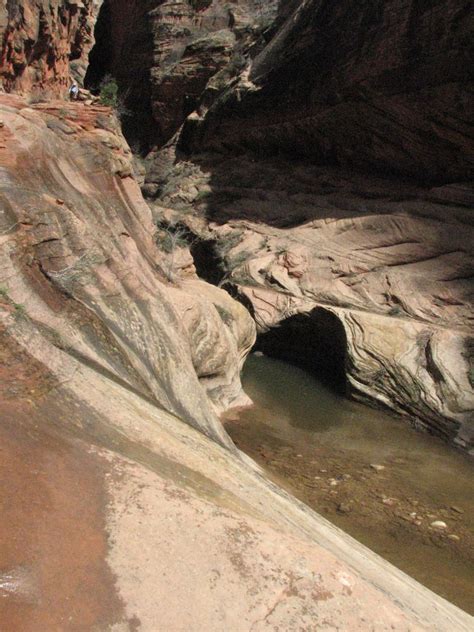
(286, 192)
(125, 52)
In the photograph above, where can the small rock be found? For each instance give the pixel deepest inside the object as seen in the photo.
(389, 501)
(377, 467)
(323, 471)
(59, 201)
(333, 482)
(417, 522)
(344, 508)
(2, 124)
(346, 477)
(300, 456)
(457, 509)
(317, 478)
(453, 536)
(258, 354)
(439, 524)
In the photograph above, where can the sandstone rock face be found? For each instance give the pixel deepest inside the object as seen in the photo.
(164, 53)
(386, 86)
(393, 261)
(384, 89)
(107, 373)
(45, 44)
(78, 254)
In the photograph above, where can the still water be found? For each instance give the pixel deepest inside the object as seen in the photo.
(365, 470)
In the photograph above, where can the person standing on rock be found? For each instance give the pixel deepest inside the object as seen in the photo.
(74, 91)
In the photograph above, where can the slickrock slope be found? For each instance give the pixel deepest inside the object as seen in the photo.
(78, 254)
(133, 512)
(45, 43)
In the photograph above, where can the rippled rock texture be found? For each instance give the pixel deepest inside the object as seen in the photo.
(342, 154)
(78, 255)
(392, 260)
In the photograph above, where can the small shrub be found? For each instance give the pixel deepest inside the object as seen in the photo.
(395, 310)
(39, 96)
(239, 259)
(170, 241)
(225, 315)
(109, 92)
(20, 310)
(202, 195)
(170, 238)
(3, 291)
(228, 242)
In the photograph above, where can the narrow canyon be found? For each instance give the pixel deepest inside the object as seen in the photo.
(236, 326)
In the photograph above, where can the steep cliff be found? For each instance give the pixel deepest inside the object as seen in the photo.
(163, 54)
(45, 44)
(78, 255)
(386, 86)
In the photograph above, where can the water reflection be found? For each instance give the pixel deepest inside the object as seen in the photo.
(323, 448)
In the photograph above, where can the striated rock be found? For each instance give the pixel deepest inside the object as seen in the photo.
(163, 55)
(328, 89)
(45, 44)
(384, 87)
(365, 280)
(78, 253)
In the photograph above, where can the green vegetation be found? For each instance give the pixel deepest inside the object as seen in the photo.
(202, 195)
(396, 310)
(109, 92)
(170, 237)
(19, 308)
(225, 315)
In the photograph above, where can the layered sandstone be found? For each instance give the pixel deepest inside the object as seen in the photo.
(392, 261)
(385, 87)
(78, 253)
(163, 55)
(287, 154)
(45, 44)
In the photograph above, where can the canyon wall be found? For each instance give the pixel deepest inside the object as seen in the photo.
(78, 254)
(344, 149)
(385, 87)
(116, 357)
(45, 44)
(111, 372)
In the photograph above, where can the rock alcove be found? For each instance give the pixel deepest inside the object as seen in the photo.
(315, 342)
